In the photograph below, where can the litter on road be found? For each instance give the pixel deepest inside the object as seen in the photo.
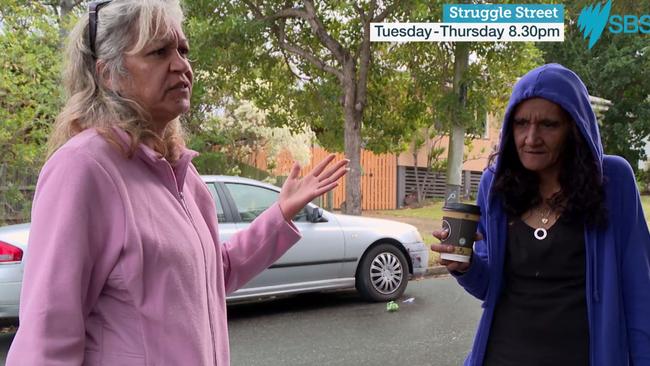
(392, 306)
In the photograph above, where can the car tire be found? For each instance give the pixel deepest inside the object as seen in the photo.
(382, 274)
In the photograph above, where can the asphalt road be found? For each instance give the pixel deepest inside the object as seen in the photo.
(5, 342)
(339, 329)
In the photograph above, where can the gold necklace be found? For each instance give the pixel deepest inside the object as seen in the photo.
(540, 233)
(544, 218)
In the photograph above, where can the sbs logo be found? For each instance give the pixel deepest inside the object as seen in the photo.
(594, 18)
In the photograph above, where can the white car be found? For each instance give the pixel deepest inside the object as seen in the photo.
(375, 256)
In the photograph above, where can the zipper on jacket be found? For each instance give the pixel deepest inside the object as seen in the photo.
(205, 266)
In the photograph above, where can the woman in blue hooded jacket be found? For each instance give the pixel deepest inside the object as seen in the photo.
(562, 263)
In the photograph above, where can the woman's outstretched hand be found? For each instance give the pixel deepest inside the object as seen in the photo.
(297, 192)
(452, 266)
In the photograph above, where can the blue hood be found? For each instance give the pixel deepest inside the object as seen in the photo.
(561, 86)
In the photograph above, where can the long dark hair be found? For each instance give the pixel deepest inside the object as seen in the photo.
(581, 197)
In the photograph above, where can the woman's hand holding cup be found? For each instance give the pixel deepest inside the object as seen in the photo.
(452, 266)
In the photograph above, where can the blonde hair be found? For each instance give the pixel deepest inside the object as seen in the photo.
(123, 27)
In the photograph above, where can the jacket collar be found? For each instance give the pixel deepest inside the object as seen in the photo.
(156, 161)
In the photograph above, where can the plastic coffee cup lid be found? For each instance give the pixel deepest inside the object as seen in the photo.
(462, 207)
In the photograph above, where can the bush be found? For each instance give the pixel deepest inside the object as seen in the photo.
(219, 164)
(15, 203)
(643, 180)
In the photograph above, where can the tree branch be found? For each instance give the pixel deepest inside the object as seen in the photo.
(256, 10)
(288, 13)
(68, 5)
(278, 29)
(360, 11)
(289, 63)
(364, 68)
(299, 51)
(55, 8)
(319, 30)
(381, 16)
(364, 54)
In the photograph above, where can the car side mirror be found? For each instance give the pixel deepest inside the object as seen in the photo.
(314, 214)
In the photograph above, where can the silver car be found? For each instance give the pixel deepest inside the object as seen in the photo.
(377, 257)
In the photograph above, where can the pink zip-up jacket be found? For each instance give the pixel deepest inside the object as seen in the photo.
(124, 264)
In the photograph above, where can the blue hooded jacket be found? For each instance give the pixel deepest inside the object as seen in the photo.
(617, 256)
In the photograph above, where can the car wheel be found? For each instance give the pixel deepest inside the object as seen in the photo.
(382, 274)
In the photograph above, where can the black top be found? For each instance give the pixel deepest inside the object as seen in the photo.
(541, 316)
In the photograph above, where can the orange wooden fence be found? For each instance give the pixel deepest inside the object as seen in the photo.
(378, 179)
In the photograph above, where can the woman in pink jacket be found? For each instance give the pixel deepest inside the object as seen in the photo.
(125, 265)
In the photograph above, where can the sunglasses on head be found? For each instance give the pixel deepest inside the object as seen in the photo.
(93, 10)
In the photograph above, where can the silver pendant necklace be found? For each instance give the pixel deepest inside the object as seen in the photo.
(540, 233)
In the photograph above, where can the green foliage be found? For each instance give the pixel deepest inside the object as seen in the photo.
(492, 70)
(407, 84)
(30, 93)
(30, 99)
(429, 70)
(394, 112)
(240, 131)
(243, 56)
(211, 162)
(617, 68)
(643, 180)
(212, 159)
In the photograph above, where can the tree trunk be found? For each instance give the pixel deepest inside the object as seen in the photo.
(65, 8)
(352, 139)
(418, 187)
(457, 135)
(353, 152)
(454, 164)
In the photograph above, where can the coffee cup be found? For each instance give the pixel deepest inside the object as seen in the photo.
(460, 220)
